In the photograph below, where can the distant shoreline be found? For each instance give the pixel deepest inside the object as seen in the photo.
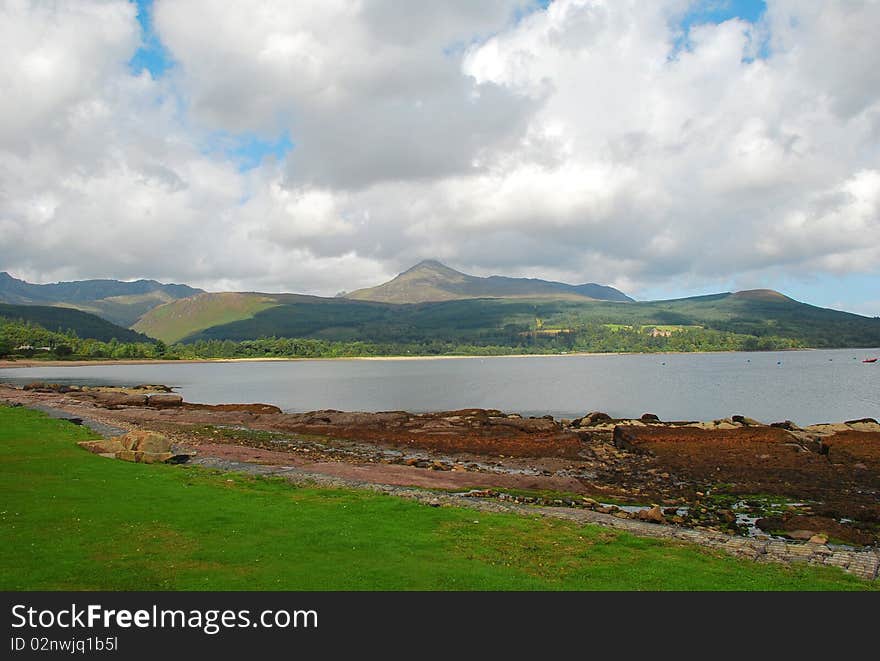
(4, 364)
(8, 364)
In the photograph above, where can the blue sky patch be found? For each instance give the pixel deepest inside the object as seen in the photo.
(702, 12)
(248, 150)
(718, 11)
(152, 55)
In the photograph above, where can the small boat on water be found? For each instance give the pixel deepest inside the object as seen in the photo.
(869, 360)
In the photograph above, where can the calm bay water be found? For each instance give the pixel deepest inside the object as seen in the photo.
(803, 386)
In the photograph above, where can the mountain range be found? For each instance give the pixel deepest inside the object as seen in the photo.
(434, 303)
(121, 303)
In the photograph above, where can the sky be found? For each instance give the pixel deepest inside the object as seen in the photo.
(665, 147)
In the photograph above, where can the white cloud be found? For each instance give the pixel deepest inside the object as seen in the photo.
(577, 143)
(55, 59)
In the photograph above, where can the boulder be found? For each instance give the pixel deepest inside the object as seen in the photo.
(650, 417)
(534, 425)
(592, 418)
(165, 400)
(654, 515)
(143, 441)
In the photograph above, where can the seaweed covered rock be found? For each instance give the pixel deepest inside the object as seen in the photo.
(113, 398)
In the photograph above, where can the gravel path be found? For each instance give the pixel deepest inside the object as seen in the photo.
(100, 428)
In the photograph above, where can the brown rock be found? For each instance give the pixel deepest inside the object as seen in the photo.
(727, 516)
(144, 441)
(592, 418)
(654, 515)
(819, 539)
(165, 400)
(110, 398)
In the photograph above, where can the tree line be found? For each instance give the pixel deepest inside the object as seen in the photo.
(26, 339)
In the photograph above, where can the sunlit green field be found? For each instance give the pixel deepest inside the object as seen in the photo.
(73, 520)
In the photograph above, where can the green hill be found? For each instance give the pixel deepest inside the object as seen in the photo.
(60, 319)
(432, 281)
(119, 302)
(503, 322)
(250, 315)
(176, 320)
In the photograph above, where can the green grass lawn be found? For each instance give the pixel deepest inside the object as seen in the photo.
(73, 520)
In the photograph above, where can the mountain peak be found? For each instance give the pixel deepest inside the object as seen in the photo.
(431, 265)
(762, 295)
(431, 281)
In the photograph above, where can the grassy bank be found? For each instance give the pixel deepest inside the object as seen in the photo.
(72, 520)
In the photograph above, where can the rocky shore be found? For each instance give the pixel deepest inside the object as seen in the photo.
(810, 493)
